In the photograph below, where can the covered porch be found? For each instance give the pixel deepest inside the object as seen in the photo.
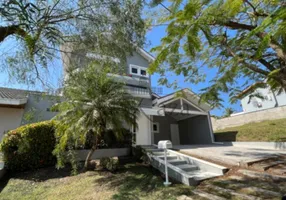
(185, 121)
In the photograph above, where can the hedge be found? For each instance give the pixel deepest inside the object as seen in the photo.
(29, 147)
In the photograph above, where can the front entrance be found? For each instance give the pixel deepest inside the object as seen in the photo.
(175, 136)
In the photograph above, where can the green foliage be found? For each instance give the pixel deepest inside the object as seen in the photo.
(39, 28)
(95, 105)
(138, 153)
(110, 164)
(29, 147)
(242, 42)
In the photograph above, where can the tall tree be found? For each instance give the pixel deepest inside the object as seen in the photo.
(243, 40)
(96, 104)
(39, 27)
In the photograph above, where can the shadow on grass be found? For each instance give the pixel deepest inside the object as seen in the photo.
(38, 175)
(227, 136)
(136, 181)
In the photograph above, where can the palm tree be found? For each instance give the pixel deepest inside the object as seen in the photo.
(94, 102)
(228, 112)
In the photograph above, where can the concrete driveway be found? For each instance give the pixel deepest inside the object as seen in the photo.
(228, 155)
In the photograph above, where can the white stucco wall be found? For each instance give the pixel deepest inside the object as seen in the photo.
(10, 118)
(245, 118)
(270, 100)
(143, 135)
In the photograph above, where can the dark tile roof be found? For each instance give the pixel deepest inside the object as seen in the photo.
(10, 93)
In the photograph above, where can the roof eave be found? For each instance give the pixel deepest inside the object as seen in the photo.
(13, 102)
(145, 55)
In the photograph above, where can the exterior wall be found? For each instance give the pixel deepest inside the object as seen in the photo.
(136, 59)
(164, 127)
(281, 99)
(245, 118)
(195, 130)
(101, 153)
(10, 118)
(271, 100)
(37, 108)
(143, 134)
(138, 86)
(146, 103)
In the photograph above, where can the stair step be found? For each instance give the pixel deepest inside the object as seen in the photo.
(188, 167)
(168, 157)
(154, 150)
(199, 175)
(177, 162)
(159, 153)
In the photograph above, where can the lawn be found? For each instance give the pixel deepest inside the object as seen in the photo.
(266, 131)
(134, 181)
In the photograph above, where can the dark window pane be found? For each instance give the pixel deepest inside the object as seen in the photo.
(134, 70)
(155, 127)
(143, 72)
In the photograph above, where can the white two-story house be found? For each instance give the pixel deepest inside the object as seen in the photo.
(181, 119)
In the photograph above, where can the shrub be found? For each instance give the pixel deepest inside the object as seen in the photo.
(109, 164)
(137, 153)
(110, 139)
(29, 147)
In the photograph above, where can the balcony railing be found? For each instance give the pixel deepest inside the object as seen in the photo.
(139, 92)
(131, 80)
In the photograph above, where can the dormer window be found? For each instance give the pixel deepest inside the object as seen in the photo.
(138, 71)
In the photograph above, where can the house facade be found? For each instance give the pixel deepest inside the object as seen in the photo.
(19, 107)
(270, 100)
(178, 117)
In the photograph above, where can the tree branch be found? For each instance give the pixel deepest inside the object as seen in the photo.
(266, 64)
(273, 44)
(250, 89)
(6, 31)
(248, 65)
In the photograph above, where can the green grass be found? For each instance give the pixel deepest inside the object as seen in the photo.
(266, 131)
(131, 182)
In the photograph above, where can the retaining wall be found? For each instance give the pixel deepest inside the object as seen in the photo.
(245, 118)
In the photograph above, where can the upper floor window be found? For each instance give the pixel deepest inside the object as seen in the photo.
(139, 71)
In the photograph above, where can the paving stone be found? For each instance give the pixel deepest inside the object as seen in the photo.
(232, 192)
(239, 178)
(184, 197)
(266, 165)
(262, 175)
(208, 195)
(263, 192)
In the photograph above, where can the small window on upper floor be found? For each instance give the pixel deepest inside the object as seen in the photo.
(138, 70)
(134, 70)
(143, 72)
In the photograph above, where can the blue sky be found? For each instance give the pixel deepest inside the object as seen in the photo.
(153, 36)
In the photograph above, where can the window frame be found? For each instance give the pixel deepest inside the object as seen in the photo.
(158, 127)
(139, 68)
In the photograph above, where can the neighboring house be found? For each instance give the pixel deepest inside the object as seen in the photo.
(18, 107)
(183, 120)
(270, 100)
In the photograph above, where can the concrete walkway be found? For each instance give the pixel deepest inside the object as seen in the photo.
(228, 155)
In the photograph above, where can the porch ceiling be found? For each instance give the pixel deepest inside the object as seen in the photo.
(180, 116)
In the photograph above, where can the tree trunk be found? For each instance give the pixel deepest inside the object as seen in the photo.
(90, 153)
(88, 158)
